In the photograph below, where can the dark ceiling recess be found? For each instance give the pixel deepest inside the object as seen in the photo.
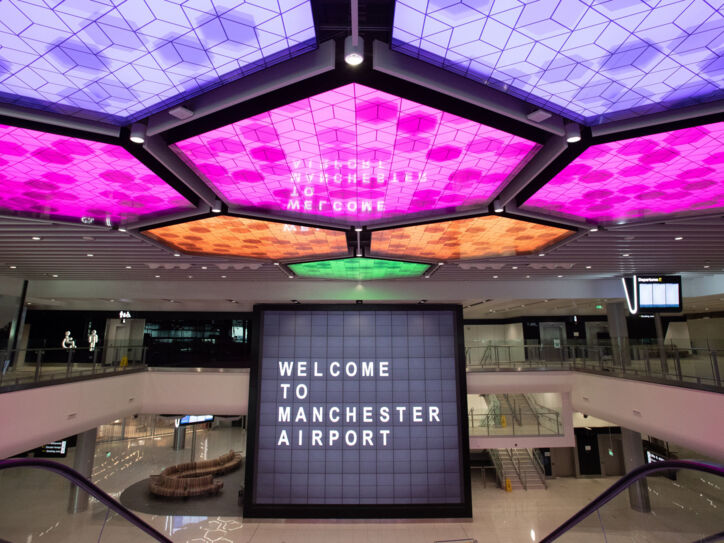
(332, 19)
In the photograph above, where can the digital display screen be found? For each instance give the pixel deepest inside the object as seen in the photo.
(55, 449)
(357, 409)
(194, 419)
(659, 292)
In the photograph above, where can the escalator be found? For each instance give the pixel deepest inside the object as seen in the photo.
(44, 507)
(668, 501)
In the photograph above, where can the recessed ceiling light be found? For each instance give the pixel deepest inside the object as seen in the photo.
(678, 238)
(440, 263)
(121, 228)
(588, 267)
(177, 254)
(204, 267)
(625, 254)
(291, 277)
(157, 276)
(527, 276)
(706, 266)
(276, 263)
(358, 229)
(541, 254)
(191, 276)
(89, 254)
(36, 238)
(223, 277)
(515, 267)
(560, 276)
(594, 229)
(495, 276)
(13, 267)
(55, 275)
(129, 267)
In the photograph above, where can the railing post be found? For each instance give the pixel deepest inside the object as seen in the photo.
(715, 367)
(95, 359)
(38, 357)
(677, 362)
(69, 363)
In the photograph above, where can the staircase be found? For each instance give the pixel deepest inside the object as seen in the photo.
(521, 409)
(519, 466)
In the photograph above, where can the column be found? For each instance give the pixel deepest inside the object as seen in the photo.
(16, 330)
(85, 450)
(633, 457)
(179, 438)
(618, 330)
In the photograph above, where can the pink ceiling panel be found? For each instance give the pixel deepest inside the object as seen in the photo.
(355, 154)
(58, 176)
(671, 172)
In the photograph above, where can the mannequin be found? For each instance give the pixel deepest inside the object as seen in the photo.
(68, 341)
(93, 339)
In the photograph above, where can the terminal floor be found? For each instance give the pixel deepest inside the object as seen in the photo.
(497, 516)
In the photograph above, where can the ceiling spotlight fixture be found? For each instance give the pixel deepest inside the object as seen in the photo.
(157, 276)
(129, 267)
(55, 275)
(204, 267)
(13, 267)
(276, 263)
(177, 254)
(560, 277)
(427, 277)
(36, 238)
(354, 47)
(495, 276)
(706, 266)
(440, 263)
(358, 229)
(527, 276)
(625, 254)
(594, 229)
(216, 208)
(138, 133)
(358, 253)
(541, 254)
(498, 206)
(678, 238)
(121, 228)
(89, 254)
(588, 267)
(223, 277)
(515, 267)
(573, 133)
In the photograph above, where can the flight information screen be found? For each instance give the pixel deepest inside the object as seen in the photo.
(359, 408)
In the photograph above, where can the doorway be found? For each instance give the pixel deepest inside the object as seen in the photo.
(552, 340)
(589, 460)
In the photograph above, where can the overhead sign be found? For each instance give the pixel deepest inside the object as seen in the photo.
(55, 449)
(660, 293)
(193, 419)
(358, 413)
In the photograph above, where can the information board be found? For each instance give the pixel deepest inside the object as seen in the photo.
(358, 413)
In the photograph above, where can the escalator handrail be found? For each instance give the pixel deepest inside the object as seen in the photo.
(626, 481)
(83, 483)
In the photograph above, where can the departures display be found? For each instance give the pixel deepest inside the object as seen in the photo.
(358, 409)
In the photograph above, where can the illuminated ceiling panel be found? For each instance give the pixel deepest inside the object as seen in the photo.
(591, 61)
(672, 172)
(57, 176)
(479, 237)
(356, 154)
(359, 269)
(125, 59)
(236, 236)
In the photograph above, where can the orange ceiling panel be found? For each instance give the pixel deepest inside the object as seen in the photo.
(252, 238)
(464, 239)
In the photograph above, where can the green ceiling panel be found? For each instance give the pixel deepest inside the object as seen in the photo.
(358, 269)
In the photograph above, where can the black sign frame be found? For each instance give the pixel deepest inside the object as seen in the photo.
(462, 509)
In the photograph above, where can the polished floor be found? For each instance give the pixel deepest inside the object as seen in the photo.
(33, 507)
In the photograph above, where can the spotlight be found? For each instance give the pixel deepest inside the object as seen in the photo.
(354, 50)
(138, 133)
(216, 208)
(573, 133)
(422, 302)
(359, 302)
(498, 206)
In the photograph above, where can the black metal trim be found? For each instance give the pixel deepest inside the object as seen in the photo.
(441, 510)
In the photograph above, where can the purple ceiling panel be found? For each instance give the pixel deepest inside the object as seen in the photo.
(122, 60)
(57, 176)
(672, 172)
(355, 154)
(590, 61)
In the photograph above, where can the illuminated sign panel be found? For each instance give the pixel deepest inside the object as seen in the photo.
(118, 61)
(660, 293)
(671, 172)
(193, 419)
(59, 176)
(478, 237)
(237, 236)
(358, 409)
(355, 154)
(359, 269)
(590, 61)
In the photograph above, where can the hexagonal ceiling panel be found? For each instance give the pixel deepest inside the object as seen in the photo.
(464, 239)
(680, 171)
(359, 269)
(70, 178)
(591, 61)
(122, 60)
(355, 155)
(235, 236)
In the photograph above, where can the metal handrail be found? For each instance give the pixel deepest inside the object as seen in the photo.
(84, 484)
(538, 467)
(626, 481)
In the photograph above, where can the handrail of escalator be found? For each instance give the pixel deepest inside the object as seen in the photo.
(626, 481)
(80, 481)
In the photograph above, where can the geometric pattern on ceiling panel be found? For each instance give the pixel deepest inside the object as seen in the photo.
(590, 61)
(478, 237)
(680, 171)
(124, 60)
(358, 269)
(354, 155)
(236, 236)
(72, 178)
